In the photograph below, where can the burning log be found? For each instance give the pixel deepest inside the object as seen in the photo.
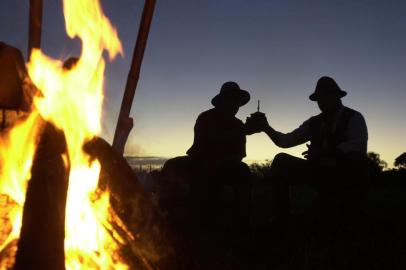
(151, 240)
(41, 244)
(72, 101)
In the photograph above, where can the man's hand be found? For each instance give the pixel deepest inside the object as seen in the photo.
(312, 154)
(257, 121)
(305, 154)
(260, 120)
(322, 158)
(309, 153)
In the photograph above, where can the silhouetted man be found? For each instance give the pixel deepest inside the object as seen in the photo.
(335, 162)
(219, 147)
(219, 136)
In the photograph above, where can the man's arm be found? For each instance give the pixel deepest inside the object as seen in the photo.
(294, 138)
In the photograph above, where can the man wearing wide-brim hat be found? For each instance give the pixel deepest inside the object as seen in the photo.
(219, 135)
(336, 158)
(218, 149)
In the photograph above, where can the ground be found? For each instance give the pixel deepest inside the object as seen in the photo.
(374, 239)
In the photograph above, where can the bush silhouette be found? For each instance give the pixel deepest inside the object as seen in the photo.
(400, 161)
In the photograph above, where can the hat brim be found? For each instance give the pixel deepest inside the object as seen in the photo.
(240, 97)
(315, 97)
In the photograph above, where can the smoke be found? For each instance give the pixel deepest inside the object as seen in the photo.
(133, 149)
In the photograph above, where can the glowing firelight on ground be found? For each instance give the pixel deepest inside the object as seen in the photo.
(72, 101)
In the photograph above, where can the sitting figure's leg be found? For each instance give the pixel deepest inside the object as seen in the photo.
(354, 180)
(285, 170)
(236, 212)
(175, 172)
(205, 190)
(239, 177)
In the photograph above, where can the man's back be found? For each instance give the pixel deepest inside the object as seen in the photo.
(218, 137)
(346, 132)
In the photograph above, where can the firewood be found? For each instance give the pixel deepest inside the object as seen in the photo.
(41, 244)
(153, 243)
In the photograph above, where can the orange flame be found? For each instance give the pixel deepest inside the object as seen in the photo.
(16, 156)
(72, 101)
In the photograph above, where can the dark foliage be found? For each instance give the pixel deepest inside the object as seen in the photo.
(400, 161)
(374, 238)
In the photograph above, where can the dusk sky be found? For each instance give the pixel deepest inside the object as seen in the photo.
(275, 49)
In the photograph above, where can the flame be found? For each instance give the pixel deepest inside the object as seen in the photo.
(72, 101)
(18, 146)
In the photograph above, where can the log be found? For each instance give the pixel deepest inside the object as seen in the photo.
(41, 244)
(154, 245)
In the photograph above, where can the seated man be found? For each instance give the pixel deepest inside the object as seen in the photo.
(215, 158)
(335, 162)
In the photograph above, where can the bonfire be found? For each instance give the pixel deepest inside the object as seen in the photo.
(49, 181)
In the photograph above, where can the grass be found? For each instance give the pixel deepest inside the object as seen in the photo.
(374, 239)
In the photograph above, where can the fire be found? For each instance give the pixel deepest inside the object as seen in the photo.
(16, 156)
(72, 101)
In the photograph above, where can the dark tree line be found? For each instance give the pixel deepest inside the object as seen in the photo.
(400, 161)
(379, 172)
(378, 169)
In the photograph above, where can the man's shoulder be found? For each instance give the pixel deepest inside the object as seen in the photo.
(313, 120)
(353, 113)
(214, 115)
(346, 110)
(208, 114)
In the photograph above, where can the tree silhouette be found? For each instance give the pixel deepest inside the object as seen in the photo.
(375, 164)
(260, 169)
(400, 161)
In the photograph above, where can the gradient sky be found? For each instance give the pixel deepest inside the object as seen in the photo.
(275, 49)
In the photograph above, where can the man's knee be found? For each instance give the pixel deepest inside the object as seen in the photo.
(237, 173)
(177, 169)
(280, 163)
(281, 158)
(289, 168)
(244, 170)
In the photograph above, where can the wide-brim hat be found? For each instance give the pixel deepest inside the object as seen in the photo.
(231, 91)
(327, 86)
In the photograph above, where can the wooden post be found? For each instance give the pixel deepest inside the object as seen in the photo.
(125, 122)
(35, 26)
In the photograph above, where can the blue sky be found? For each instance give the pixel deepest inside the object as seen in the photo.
(275, 49)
